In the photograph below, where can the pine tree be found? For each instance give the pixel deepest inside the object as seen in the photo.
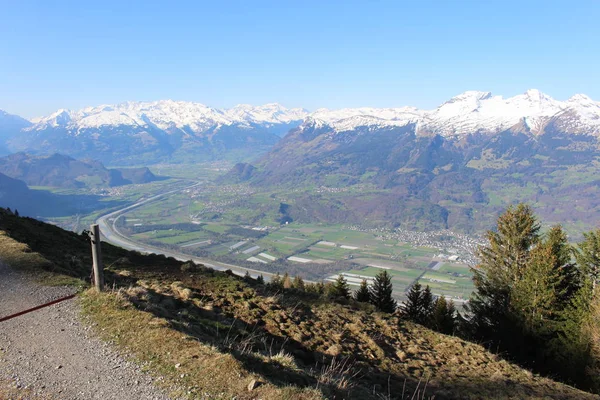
(247, 277)
(571, 348)
(16, 212)
(320, 286)
(287, 281)
(569, 275)
(381, 293)
(260, 279)
(588, 256)
(412, 307)
(592, 332)
(419, 305)
(362, 294)
(340, 288)
(427, 305)
(502, 263)
(276, 281)
(298, 283)
(534, 295)
(443, 318)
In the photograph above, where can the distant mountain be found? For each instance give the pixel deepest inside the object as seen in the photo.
(137, 132)
(63, 171)
(11, 125)
(475, 112)
(16, 195)
(148, 132)
(455, 166)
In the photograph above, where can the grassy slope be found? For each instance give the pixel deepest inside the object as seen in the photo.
(212, 334)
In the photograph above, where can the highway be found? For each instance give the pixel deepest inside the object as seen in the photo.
(111, 234)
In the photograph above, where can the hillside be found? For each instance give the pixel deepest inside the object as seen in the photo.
(212, 334)
(10, 126)
(456, 166)
(63, 171)
(16, 195)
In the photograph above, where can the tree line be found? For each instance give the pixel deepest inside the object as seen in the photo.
(536, 300)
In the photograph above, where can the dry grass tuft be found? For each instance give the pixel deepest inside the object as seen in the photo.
(224, 332)
(19, 256)
(204, 371)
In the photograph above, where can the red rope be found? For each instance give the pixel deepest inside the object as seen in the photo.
(37, 308)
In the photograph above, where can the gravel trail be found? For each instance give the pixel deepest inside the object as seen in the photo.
(52, 354)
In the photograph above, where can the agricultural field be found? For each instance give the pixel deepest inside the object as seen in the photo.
(355, 254)
(239, 225)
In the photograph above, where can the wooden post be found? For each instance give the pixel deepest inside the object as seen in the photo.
(97, 257)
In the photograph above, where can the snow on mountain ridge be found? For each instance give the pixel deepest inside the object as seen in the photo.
(166, 114)
(475, 111)
(468, 112)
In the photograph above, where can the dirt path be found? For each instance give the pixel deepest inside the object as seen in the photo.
(51, 353)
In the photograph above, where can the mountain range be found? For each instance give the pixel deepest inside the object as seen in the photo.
(454, 167)
(476, 112)
(62, 171)
(138, 132)
(147, 132)
(19, 170)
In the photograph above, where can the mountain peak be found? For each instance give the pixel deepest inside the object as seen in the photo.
(470, 95)
(536, 95)
(475, 94)
(580, 98)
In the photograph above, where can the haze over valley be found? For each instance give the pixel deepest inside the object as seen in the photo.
(306, 201)
(454, 167)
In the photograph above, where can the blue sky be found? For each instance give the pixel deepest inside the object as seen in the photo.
(72, 54)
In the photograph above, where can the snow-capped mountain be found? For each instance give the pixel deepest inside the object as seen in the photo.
(167, 115)
(165, 129)
(150, 131)
(473, 128)
(476, 112)
(456, 166)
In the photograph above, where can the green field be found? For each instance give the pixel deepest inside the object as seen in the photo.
(212, 219)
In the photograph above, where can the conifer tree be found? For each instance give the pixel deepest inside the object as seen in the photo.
(588, 256)
(340, 288)
(287, 281)
(571, 346)
(320, 286)
(381, 293)
(276, 281)
(592, 332)
(298, 283)
(427, 305)
(443, 318)
(419, 305)
(260, 279)
(412, 308)
(502, 264)
(569, 276)
(362, 294)
(328, 289)
(534, 295)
